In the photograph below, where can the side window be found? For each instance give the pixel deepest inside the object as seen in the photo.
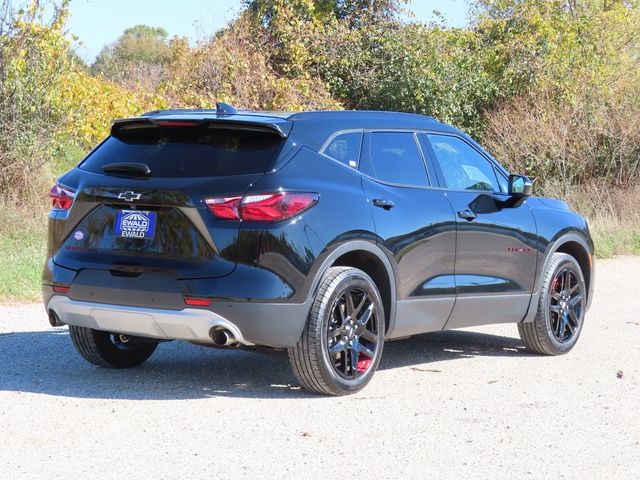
(396, 158)
(345, 148)
(462, 166)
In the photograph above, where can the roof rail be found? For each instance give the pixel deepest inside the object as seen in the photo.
(221, 109)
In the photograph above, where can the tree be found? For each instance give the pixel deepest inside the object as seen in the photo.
(356, 12)
(137, 59)
(236, 66)
(361, 12)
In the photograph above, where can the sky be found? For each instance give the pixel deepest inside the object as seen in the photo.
(100, 22)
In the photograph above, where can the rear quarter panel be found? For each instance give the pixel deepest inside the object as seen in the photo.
(294, 250)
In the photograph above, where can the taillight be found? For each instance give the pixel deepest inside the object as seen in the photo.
(61, 198)
(265, 207)
(224, 207)
(273, 207)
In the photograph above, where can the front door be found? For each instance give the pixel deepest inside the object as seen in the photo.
(496, 255)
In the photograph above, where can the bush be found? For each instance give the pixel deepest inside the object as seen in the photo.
(48, 101)
(567, 144)
(235, 66)
(137, 59)
(91, 103)
(409, 68)
(570, 75)
(32, 59)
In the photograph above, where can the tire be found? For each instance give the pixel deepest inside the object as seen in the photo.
(107, 350)
(555, 329)
(349, 366)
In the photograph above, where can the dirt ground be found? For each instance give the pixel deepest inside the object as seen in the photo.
(459, 404)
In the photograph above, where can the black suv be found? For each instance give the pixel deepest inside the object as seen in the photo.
(324, 233)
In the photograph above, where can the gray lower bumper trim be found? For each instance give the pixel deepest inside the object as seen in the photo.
(188, 324)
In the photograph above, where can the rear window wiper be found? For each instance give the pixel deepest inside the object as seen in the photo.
(127, 167)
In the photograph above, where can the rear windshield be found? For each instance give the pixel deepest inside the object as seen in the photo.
(202, 151)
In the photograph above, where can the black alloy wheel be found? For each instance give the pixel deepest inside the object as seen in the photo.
(566, 301)
(562, 301)
(352, 339)
(341, 345)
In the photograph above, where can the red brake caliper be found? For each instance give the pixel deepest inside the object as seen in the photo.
(363, 363)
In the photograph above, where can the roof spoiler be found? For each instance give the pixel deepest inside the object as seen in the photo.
(224, 116)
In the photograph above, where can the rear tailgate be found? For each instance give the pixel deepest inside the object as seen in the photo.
(126, 221)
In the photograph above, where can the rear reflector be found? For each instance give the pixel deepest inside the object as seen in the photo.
(197, 302)
(61, 288)
(265, 207)
(61, 198)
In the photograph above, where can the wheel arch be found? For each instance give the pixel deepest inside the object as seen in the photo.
(372, 260)
(584, 259)
(578, 247)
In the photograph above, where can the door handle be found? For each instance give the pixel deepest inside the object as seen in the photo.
(383, 203)
(467, 214)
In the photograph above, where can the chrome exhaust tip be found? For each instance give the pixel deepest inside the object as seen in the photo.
(54, 320)
(222, 337)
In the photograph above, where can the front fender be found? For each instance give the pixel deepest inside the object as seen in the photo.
(577, 244)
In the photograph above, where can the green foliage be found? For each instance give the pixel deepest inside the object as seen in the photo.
(66, 156)
(48, 100)
(411, 68)
(21, 258)
(355, 12)
(570, 79)
(33, 55)
(549, 85)
(237, 66)
(609, 243)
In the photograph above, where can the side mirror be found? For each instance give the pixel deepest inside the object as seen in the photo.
(520, 186)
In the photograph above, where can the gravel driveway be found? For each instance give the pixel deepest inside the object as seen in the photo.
(460, 404)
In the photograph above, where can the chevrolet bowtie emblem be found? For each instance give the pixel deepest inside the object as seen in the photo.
(129, 196)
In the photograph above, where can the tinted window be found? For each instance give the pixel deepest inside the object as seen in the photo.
(188, 151)
(462, 166)
(345, 148)
(396, 158)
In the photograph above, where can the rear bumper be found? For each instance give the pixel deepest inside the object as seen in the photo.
(268, 324)
(188, 324)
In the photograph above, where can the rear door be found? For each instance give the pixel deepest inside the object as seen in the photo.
(496, 254)
(415, 225)
(125, 220)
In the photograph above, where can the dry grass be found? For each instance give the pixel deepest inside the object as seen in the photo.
(614, 217)
(23, 239)
(22, 253)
